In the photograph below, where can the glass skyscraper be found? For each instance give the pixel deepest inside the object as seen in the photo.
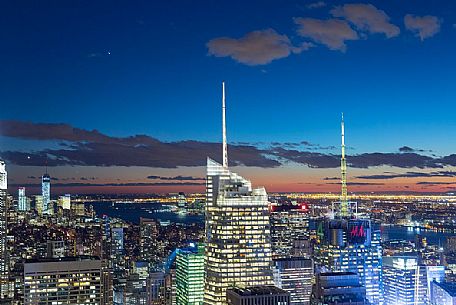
(22, 204)
(190, 275)
(238, 247)
(294, 275)
(351, 245)
(46, 192)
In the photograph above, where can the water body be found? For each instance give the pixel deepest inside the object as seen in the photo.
(132, 212)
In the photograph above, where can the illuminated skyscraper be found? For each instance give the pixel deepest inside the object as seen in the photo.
(64, 202)
(190, 275)
(238, 247)
(22, 204)
(348, 244)
(289, 226)
(406, 282)
(294, 275)
(46, 192)
(3, 231)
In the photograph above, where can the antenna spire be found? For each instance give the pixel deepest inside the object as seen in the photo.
(343, 171)
(225, 149)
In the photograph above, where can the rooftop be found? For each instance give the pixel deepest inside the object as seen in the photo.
(257, 290)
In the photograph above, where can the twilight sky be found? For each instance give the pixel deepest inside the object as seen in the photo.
(124, 96)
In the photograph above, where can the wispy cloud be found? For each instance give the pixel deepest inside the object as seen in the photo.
(332, 33)
(368, 18)
(255, 48)
(423, 26)
(314, 5)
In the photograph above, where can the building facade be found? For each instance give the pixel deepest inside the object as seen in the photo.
(22, 202)
(258, 295)
(73, 280)
(294, 275)
(190, 275)
(338, 288)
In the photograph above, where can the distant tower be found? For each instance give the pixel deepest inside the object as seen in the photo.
(343, 170)
(46, 192)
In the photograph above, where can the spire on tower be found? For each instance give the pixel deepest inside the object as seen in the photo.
(343, 169)
(225, 149)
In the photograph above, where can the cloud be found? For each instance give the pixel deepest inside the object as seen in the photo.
(409, 149)
(368, 18)
(331, 32)
(131, 184)
(410, 175)
(434, 183)
(255, 48)
(92, 148)
(317, 4)
(179, 178)
(423, 27)
(357, 183)
(331, 178)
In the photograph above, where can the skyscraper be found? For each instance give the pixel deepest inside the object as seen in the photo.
(238, 247)
(3, 230)
(22, 204)
(289, 225)
(294, 275)
(349, 244)
(404, 281)
(46, 192)
(190, 275)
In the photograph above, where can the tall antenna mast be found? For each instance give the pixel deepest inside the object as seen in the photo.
(225, 149)
(343, 171)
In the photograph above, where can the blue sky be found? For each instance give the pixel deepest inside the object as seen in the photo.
(147, 67)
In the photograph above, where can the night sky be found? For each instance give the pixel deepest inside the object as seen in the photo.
(125, 96)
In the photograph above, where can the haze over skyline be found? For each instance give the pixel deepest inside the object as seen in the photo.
(124, 98)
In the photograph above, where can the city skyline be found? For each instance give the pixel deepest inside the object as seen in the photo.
(150, 129)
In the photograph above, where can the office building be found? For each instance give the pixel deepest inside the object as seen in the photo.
(190, 275)
(294, 275)
(71, 280)
(257, 295)
(443, 293)
(46, 193)
(4, 266)
(55, 248)
(149, 246)
(22, 202)
(238, 246)
(404, 280)
(117, 261)
(38, 204)
(64, 202)
(341, 288)
(289, 225)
